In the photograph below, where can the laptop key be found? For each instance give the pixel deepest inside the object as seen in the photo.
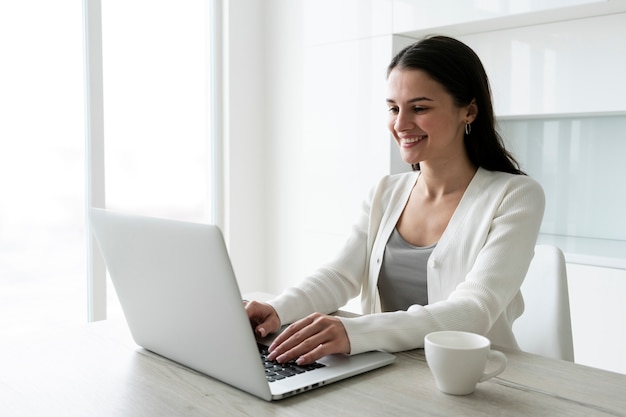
(275, 371)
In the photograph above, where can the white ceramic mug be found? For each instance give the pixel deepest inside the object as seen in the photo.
(458, 360)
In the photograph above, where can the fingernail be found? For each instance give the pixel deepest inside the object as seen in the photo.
(262, 332)
(299, 361)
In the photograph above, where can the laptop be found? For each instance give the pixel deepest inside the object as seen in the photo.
(180, 297)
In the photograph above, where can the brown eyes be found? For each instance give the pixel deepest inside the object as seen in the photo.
(395, 110)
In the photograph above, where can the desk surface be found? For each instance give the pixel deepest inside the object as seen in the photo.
(97, 370)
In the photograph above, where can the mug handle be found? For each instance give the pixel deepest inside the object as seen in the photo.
(498, 357)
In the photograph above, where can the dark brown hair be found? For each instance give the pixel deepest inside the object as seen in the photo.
(459, 70)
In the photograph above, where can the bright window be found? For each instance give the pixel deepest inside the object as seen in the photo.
(42, 173)
(155, 73)
(156, 140)
(155, 107)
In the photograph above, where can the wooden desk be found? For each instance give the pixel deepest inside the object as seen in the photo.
(97, 370)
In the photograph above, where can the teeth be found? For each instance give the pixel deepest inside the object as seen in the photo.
(413, 140)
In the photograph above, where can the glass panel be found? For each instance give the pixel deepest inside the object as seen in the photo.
(156, 109)
(578, 160)
(155, 100)
(42, 180)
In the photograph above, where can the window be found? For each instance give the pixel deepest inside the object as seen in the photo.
(156, 151)
(156, 108)
(42, 233)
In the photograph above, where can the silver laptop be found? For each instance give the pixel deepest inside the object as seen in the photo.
(181, 300)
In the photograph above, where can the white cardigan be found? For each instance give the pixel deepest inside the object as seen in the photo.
(474, 273)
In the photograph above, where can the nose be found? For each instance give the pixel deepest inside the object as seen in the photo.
(403, 121)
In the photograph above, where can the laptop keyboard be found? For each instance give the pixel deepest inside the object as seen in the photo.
(275, 371)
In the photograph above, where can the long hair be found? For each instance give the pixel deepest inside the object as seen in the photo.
(459, 70)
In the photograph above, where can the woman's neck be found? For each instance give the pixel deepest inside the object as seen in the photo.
(440, 179)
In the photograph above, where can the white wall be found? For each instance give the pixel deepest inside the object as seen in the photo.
(310, 139)
(561, 67)
(326, 130)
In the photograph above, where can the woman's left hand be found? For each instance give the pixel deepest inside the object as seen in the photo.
(309, 339)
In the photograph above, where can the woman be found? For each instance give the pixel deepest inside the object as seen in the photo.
(445, 247)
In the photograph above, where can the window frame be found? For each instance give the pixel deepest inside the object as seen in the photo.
(95, 139)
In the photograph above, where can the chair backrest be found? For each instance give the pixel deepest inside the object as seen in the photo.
(545, 327)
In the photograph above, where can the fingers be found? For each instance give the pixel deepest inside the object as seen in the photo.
(305, 341)
(263, 318)
(310, 339)
(291, 336)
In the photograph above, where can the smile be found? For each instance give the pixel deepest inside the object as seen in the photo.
(406, 141)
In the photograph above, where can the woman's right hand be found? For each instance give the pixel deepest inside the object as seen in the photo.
(263, 318)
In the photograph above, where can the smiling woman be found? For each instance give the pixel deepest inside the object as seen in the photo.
(429, 249)
(424, 119)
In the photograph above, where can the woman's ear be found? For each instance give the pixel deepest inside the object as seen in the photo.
(472, 111)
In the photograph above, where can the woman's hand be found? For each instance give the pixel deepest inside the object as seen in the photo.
(263, 318)
(309, 339)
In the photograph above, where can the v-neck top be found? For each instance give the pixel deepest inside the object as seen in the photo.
(402, 279)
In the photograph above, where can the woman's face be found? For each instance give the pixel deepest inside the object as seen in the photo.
(425, 122)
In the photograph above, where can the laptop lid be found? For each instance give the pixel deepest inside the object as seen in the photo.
(178, 292)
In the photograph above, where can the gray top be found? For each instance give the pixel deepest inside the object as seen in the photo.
(402, 279)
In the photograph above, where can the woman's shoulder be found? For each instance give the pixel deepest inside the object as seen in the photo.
(403, 178)
(392, 186)
(524, 187)
(394, 182)
(506, 178)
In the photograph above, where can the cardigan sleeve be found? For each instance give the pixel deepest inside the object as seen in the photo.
(334, 284)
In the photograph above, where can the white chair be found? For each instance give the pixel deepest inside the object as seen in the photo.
(545, 327)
